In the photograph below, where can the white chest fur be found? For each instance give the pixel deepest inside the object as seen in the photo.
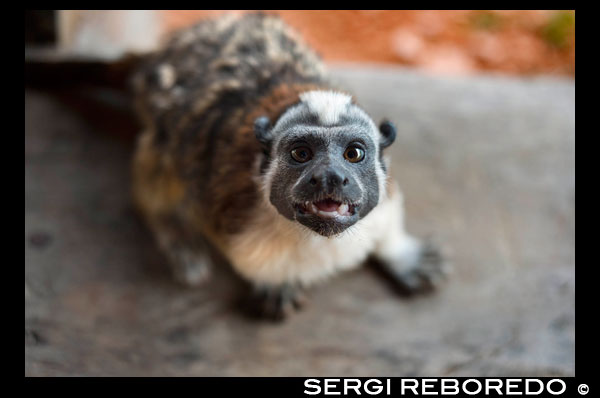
(274, 250)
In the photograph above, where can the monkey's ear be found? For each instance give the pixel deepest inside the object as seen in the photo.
(388, 133)
(262, 130)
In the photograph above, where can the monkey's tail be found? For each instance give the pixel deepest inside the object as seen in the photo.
(57, 73)
(100, 91)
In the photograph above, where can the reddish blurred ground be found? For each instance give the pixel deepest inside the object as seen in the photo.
(444, 42)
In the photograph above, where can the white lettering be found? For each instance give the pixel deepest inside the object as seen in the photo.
(529, 392)
(464, 386)
(489, 386)
(377, 389)
(448, 384)
(509, 385)
(551, 391)
(308, 384)
(355, 387)
(428, 383)
(331, 383)
(413, 388)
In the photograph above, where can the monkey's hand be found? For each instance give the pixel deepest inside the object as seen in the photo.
(276, 303)
(429, 270)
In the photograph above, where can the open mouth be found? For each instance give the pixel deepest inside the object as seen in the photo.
(327, 208)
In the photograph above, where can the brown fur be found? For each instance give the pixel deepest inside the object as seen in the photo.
(198, 98)
(197, 168)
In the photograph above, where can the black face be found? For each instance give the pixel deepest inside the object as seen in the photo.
(325, 178)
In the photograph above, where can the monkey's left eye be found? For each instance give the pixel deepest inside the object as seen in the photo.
(301, 154)
(354, 154)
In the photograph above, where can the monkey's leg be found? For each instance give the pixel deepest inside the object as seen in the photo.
(275, 303)
(158, 192)
(413, 265)
(189, 257)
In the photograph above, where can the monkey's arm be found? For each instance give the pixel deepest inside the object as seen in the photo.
(421, 274)
(412, 265)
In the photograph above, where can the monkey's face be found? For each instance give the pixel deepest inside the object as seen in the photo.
(325, 177)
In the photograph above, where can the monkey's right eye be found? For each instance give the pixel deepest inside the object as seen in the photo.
(301, 154)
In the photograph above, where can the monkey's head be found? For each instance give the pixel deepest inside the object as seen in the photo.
(323, 161)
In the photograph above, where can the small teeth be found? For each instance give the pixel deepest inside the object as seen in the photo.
(313, 208)
(342, 210)
(328, 214)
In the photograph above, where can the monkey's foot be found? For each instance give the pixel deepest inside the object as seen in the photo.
(190, 269)
(428, 272)
(276, 303)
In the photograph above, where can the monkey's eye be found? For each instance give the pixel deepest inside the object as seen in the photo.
(301, 154)
(354, 154)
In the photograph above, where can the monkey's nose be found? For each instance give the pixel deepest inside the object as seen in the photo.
(329, 180)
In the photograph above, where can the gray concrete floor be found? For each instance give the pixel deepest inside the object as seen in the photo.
(487, 168)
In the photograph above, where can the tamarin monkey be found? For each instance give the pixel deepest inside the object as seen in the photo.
(250, 150)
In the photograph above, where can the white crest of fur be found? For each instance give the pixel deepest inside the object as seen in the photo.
(327, 105)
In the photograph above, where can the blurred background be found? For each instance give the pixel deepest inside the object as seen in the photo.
(521, 42)
(484, 101)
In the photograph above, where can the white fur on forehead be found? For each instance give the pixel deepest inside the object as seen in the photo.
(327, 105)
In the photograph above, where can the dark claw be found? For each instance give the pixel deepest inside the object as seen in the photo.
(276, 303)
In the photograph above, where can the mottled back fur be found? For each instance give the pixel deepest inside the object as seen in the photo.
(199, 98)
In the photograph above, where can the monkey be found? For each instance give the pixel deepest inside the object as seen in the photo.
(248, 149)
